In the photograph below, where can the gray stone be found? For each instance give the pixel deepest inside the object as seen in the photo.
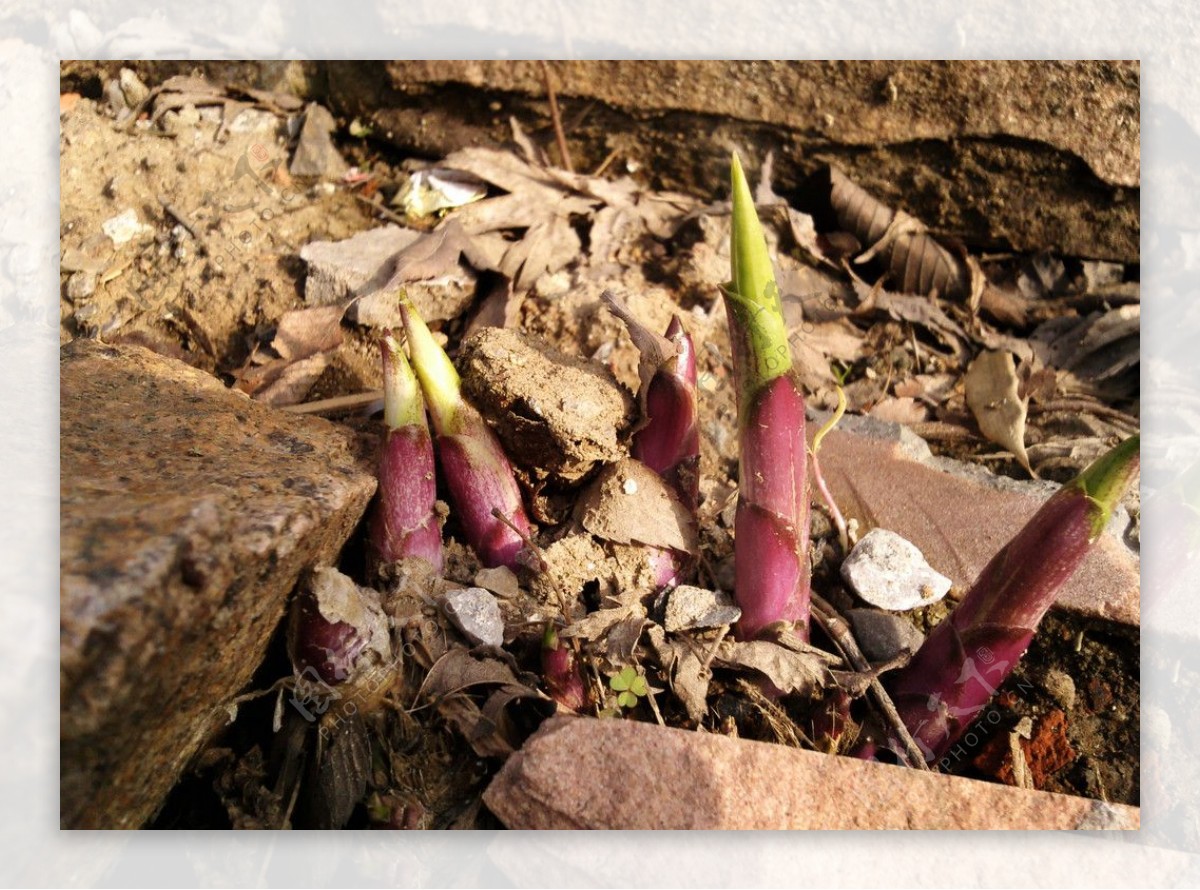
(187, 514)
(124, 227)
(476, 613)
(565, 776)
(339, 270)
(132, 88)
(882, 636)
(559, 416)
(890, 572)
(315, 153)
(361, 265)
(81, 285)
(693, 608)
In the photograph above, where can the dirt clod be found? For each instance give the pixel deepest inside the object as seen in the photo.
(559, 416)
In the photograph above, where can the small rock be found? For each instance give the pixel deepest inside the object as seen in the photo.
(124, 227)
(693, 608)
(882, 636)
(116, 100)
(254, 120)
(315, 153)
(80, 286)
(132, 88)
(1061, 687)
(501, 581)
(476, 613)
(889, 572)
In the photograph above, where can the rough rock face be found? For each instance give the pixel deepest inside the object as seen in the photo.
(954, 144)
(188, 512)
(577, 772)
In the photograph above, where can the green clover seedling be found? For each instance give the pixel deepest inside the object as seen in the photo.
(630, 685)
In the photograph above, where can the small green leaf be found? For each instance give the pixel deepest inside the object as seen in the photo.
(638, 687)
(624, 680)
(627, 700)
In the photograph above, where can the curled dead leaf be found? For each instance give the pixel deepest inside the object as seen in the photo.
(993, 395)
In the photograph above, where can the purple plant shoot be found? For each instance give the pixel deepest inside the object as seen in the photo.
(477, 471)
(964, 660)
(404, 524)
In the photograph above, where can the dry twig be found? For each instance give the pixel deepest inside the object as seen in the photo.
(839, 631)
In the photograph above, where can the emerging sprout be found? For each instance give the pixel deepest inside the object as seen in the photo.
(483, 491)
(964, 660)
(404, 523)
(771, 564)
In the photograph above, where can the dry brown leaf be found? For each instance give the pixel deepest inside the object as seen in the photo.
(931, 388)
(921, 311)
(992, 390)
(305, 332)
(292, 382)
(550, 244)
(432, 255)
(1110, 344)
(804, 671)
(458, 670)
(597, 625)
(491, 730)
(916, 262)
(631, 503)
(547, 202)
(339, 777)
(623, 638)
(686, 674)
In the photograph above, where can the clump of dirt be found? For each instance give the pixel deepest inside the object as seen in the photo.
(558, 415)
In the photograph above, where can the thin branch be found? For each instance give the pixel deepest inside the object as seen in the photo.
(840, 632)
(337, 403)
(385, 212)
(559, 136)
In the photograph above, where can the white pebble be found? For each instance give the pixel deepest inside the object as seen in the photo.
(891, 573)
(123, 227)
(476, 613)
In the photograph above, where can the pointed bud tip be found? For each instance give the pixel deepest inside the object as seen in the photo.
(439, 379)
(1106, 479)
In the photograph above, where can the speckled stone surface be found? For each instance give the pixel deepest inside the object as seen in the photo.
(188, 512)
(578, 772)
